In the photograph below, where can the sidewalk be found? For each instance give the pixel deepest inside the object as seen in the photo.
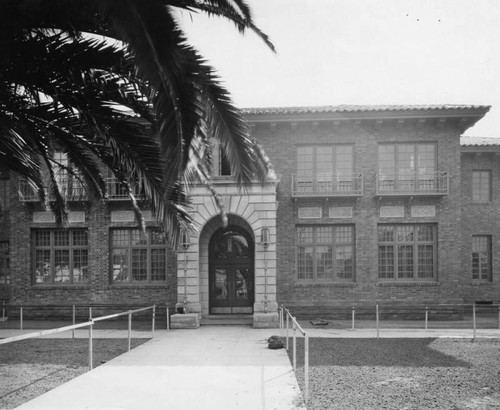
(226, 367)
(223, 367)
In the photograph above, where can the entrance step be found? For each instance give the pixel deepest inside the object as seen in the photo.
(227, 320)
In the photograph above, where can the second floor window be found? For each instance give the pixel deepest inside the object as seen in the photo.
(325, 167)
(481, 186)
(70, 183)
(220, 164)
(4, 190)
(407, 167)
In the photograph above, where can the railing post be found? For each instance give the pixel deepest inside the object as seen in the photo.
(91, 358)
(90, 313)
(168, 318)
(306, 368)
(129, 328)
(74, 321)
(426, 317)
(3, 311)
(280, 310)
(294, 347)
(21, 318)
(287, 326)
(153, 323)
(474, 320)
(352, 318)
(499, 317)
(376, 319)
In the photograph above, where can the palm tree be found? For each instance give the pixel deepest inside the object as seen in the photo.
(115, 83)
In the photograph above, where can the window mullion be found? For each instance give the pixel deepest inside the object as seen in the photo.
(315, 257)
(70, 256)
(52, 257)
(129, 256)
(334, 246)
(416, 257)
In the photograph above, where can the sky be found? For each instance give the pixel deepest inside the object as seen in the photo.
(331, 52)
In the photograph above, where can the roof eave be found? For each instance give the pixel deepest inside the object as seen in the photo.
(471, 114)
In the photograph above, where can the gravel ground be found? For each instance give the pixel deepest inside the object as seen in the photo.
(401, 374)
(32, 367)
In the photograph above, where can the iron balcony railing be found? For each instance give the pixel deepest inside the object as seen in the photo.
(327, 185)
(117, 192)
(69, 191)
(414, 183)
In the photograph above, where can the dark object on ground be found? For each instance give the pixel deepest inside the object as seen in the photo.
(276, 342)
(319, 322)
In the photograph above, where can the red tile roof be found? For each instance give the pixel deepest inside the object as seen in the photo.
(360, 109)
(479, 141)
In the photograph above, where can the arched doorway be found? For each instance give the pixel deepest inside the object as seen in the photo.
(231, 271)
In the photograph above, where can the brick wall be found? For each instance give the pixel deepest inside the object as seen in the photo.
(280, 144)
(99, 290)
(480, 219)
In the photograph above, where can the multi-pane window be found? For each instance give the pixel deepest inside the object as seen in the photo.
(481, 186)
(325, 253)
(4, 263)
(481, 257)
(407, 166)
(407, 252)
(70, 182)
(324, 168)
(4, 190)
(137, 256)
(60, 256)
(220, 162)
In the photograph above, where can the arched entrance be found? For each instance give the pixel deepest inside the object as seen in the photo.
(231, 271)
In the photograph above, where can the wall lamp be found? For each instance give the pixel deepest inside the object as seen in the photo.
(265, 237)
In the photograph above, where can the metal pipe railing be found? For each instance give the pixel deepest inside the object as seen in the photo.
(295, 327)
(90, 324)
(73, 309)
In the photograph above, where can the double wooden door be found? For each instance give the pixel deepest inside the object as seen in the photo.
(231, 274)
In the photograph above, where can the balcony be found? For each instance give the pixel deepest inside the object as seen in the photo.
(26, 192)
(327, 185)
(72, 192)
(413, 184)
(117, 192)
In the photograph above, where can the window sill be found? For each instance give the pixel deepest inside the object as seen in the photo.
(407, 283)
(62, 286)
(481, 283)
(139, 285)
(325, 284)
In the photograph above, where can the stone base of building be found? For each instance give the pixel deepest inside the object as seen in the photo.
(265, 320)
(185, 321)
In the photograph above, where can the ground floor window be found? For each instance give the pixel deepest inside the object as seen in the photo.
(137, 256)
(325, 252)
(481, 257)
(407, 252)
(4, 263)
(60, 256)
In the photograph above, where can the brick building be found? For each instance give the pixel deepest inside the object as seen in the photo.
(368, 204)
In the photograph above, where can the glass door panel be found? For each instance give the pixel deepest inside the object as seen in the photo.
(221, 290)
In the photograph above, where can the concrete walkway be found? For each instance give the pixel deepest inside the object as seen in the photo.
(212, 367)
(223, 367)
